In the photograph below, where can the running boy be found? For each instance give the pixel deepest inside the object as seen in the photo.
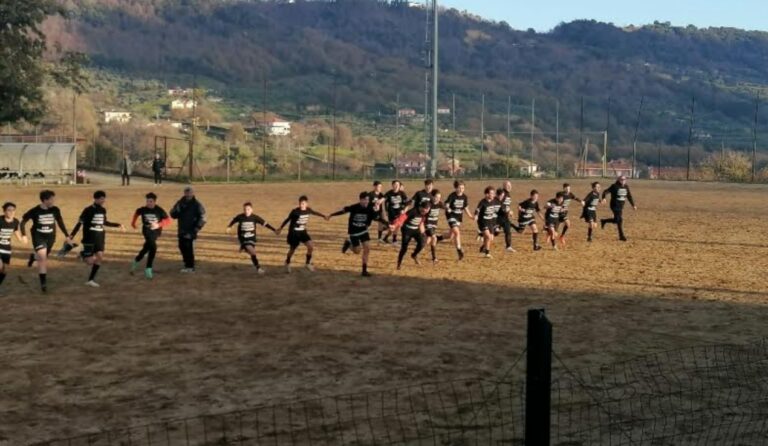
(93, 220)
(552, 217)
(297, 232)
(424, 195)
(361, 215)
(412, 223)
(589, 213)
(527, 212)
(486, 216)
(504, 195)
(44, 219)
(246, 232)
(430, 227)
(395, 202)
(153, 220)
(376, 199)
(9, 227)
(456, 206)
(568, 196)
(620, 194)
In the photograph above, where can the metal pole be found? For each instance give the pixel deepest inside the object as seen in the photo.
(581, 137)
(557, 139)
(658, 147)
(754, 138)
(533, 130)
(192, 136)
(333, 176)
(229, 148)
(634, 139)
(605, 154)
(509, 143)
(266, 130)
(482, 133)
(690, 138)
(397, 136)
(435, 69)
(538, 379)
(453, 128)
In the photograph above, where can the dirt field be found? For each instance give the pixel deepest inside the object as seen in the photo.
(135, 351)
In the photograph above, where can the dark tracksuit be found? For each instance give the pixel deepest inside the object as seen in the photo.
(619, 195)
(190, 215)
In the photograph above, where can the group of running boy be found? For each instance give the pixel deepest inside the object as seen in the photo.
(414, 219)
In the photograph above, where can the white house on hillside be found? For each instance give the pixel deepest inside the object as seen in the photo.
(278, 128)
(529, 169)
(116, 116)
(183, 104)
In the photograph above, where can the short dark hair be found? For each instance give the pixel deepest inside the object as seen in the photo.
(435, 192)
(303, 198)
(99, 194)
(376, 183)
(428, 182)
(7, 205)
(457, 183)
(247, 204)
(363, 195)
(47, 195)
(596, 183)
(425, 204)
(560, 195)
(566, 185)
(489, 189)
(151, 196)
(395, 181)
(534, 191)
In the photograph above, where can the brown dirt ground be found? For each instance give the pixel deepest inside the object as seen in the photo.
(134, 351)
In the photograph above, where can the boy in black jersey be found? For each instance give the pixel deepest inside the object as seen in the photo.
(430, 226)
(424, 195)
(568, 197)
(376, 199)
(620, 194)
(555, 207)
(361, 215)
(9, 227)
(153, 220)
(93, 220)
(486, 215)
(297, 232)
(527, 212)
(412, 223)
(45, 218)
(456, 206)
(246, 232)
(504, 195)
(395, 202)
(589, 213)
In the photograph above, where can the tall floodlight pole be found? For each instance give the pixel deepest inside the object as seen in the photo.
(435, 69)
(397, 136)
(690, 138)
(453, 127)
(482, 133)
(754, 138)
(557, 139)
(533, 130)
(509, 131)
(634, 139)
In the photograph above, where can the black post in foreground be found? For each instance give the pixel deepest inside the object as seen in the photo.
(538, 379)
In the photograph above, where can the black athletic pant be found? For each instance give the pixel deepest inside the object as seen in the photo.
(187, 248)
(407, 237)
(149, 249)
(158, 178)
(618, 219)
(506, 225)
(126, 177)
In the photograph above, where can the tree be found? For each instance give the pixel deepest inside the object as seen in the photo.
(730, 166)
(22, 70)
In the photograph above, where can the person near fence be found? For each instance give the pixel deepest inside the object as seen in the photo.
(589, 212)
(456, 206)
(297, 222)
(9, 227)
(395, 202)
(486, 216)
(552, 217)
(153, 220)
(527, 211)
(126, 170)
(246, 232)
(158, 164)
(44, 217)
(94, 222)
(191, 217)
(413, 228)
(361, 216)
(568, 197)
(504, 195)
(620, 194)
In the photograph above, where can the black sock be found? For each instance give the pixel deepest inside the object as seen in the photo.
(2, 277)
(621, 229)
(380, 232)
(565, 229)
(255, 261)
(589, 232)
(309, 259)
(434, 255)
(31, 260)
(345, 246)
(365, 267)
(288, 259)
(386, 238)
(94, 270)
(440, 238)
(43, 279)
(394, 238)
(535, 239)
(554, 241)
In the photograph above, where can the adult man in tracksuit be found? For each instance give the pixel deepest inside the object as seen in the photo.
(619, 195)
(190, 214)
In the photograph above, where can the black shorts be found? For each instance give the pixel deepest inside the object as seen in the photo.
(297, 238)
(357, 240)
(522, 224)
(430, 231)
(454, 221)
(43, 241)
(5, 258)
(487, 226)
(552, 223)
(246, 242)
(91, 246)
(392, 215)
(589, 216)
(563, 218)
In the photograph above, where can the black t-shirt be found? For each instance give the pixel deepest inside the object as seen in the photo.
(529, 210)
(420, 197)
(591, 201)
(149, 216)
(44, 221)
(434, 215)
(569, 196)
(619, 195)
(7, 228)
(246, 225)
(488, 211)
(298, 220)
(93, 219)
(455, 204)
(554, 209)
(395, 201)
(413, 219)
(373, 198)
(360, 218)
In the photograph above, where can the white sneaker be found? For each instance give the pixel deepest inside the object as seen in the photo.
(310, 267)
(92, 284)
(187, 270)
(511, 249)
(288, 269)
(260, 271)
(488, 255)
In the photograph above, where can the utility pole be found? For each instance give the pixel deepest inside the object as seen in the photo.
(509, 129)
(435, 69)
(192, 135)
(634, 139)
(453, 128)
(333, 176)
(557, 139)
(266, 130)
(397, 135)
(581, 135)
(754, 138)
(533, 130)
(482, 133)
(690, 138)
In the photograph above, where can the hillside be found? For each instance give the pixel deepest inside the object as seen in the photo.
(373, 50)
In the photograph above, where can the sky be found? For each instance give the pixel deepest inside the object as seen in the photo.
(543, 15)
